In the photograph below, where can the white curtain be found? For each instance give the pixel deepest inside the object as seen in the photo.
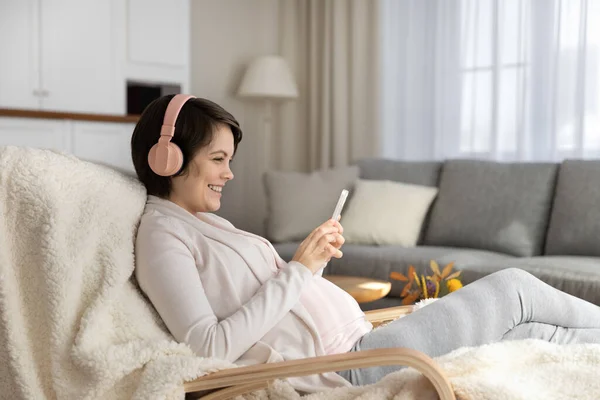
(494, 79)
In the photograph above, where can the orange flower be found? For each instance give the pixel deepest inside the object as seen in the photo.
(453, 285)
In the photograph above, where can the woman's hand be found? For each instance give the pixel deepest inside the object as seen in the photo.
(320, 245)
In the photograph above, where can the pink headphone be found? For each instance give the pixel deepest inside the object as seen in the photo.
(165, 158)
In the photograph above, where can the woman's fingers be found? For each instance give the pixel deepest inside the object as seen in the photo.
(329, 239)
(329, 249)
(333, 252)
(324, 229)
(327, 227)
(339, 241)
(339, 226)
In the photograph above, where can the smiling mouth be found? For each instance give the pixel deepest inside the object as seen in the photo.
(214, 188)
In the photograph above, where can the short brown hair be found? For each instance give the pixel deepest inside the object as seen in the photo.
(194, 129)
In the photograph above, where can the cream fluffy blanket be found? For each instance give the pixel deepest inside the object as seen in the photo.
(74, 325)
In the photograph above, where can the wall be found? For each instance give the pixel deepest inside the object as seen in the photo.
(225, 36)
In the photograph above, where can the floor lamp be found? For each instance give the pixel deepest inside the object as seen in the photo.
(268, 79)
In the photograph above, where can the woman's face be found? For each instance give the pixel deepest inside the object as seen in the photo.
(200, 189)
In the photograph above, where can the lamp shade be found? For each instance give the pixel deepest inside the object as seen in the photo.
(268, 77)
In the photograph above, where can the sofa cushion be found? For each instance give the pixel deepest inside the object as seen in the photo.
(501, 207)
(424, 173)
(575, 221)
(579, 276)
(297, 203)
(378, 262)
(386, 212)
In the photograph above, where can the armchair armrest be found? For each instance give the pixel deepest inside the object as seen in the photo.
(238, 380)
(383, 315)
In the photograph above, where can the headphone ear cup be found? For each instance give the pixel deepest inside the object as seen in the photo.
(165, 159)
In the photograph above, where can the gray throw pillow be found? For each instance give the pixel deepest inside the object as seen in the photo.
(575, 221)
(297, 202)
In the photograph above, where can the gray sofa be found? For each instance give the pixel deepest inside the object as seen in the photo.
(540, 217)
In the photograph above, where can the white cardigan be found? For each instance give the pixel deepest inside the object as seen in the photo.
(214, 289)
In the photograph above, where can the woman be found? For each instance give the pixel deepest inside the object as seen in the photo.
(229, 295)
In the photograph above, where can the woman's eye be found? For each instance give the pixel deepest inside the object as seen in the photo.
(218, 159)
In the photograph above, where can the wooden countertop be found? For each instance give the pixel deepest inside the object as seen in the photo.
(7, 112)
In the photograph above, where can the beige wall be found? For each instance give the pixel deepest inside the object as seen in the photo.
(225, 36)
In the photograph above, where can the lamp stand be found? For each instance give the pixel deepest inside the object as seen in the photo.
(267, 133)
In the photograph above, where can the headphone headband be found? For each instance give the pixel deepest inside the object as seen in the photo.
(173, 109)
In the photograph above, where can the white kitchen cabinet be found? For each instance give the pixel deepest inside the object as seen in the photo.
(158, 41)
(79, 71)
(61, 55)
(19, 54)
(38, 133)
(163, 46)
(103, 142)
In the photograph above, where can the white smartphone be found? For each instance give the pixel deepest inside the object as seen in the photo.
(340, 205)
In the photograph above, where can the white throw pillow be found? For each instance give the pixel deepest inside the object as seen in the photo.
(299, 202)
(386, 212)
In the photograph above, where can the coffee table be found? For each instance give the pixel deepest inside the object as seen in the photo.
(362, 289)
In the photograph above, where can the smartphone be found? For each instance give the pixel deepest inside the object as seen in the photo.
(340, 205)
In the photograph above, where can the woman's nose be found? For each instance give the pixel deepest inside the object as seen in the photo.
(228, 174)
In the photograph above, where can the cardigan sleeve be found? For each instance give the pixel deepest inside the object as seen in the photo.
(166, 272)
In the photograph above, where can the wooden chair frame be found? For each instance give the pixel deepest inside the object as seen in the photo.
(229, 383)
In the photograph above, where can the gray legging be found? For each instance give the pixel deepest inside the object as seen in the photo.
(507, 305)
